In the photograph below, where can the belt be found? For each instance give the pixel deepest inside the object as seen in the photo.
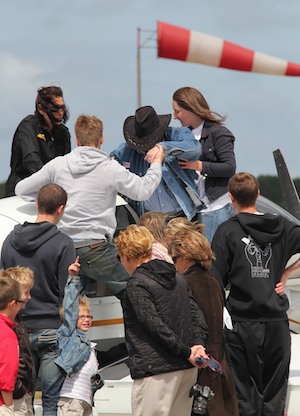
(92, 243)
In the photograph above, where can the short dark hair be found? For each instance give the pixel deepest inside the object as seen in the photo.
(10, 289)
(51, 197)
(244, 187)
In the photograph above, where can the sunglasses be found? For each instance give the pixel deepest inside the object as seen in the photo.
(174, 258)
(57, 108)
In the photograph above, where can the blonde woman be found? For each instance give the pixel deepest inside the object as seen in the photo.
(162, 326)
(192, 256)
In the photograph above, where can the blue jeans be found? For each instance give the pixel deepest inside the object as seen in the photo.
(213, 219)
(44, 349)
(101, 265)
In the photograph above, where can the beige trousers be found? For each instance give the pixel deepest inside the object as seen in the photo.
(23, 406)
(75, 407)
(164, 394)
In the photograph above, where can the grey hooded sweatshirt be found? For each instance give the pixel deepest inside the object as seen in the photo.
(92, 180)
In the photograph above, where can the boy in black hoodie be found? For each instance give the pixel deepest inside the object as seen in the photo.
(252, 250)
(48, 253)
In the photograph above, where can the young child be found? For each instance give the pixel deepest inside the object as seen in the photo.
(10, 305)
(22, 394)
(77, 354)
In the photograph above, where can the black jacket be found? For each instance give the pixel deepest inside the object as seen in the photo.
(48, 252)
(162, 320)
(24, 383)
(32, 148)
(251, 254)
(218, 159)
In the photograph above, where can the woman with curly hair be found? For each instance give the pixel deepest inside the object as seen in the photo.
(192, 256)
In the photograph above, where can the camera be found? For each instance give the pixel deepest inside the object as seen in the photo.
(96, 382)
(202, 395)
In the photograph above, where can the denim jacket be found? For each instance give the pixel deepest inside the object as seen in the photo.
(178, 143)
(74, 345)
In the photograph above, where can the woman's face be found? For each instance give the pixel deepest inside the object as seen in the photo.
(57, 109)
(128, 263)
(186, 117)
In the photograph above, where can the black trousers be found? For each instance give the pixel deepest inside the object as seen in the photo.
(259, 355)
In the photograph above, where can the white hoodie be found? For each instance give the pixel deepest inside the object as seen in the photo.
(92, 181)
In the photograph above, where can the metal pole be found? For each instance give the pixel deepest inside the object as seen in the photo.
(142, 44)
(139, 94)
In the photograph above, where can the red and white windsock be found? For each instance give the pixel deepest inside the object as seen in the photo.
(174, 42)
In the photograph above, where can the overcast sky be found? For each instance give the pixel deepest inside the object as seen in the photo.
(89, 48)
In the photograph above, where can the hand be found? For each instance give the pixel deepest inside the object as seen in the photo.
(198, 351)
(74, 267)
(156, 154)
(186, 164)
(151, 154)
(280, 288)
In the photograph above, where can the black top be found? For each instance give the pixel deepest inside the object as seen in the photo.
(162, 320)
(33, 147)
(218, 158)
(48, 252)
(251, 253)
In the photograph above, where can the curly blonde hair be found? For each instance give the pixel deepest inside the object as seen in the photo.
(135, 242)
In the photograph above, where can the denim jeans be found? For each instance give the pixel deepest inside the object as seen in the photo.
(44, 349)
(101, 265)
(213, 219)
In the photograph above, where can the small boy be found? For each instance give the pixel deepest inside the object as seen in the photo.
(22, 394)
(77, 355)
(10, 305)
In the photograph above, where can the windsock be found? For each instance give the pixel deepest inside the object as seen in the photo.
(174, 42)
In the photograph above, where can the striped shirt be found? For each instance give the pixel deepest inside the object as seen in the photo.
(78, 386)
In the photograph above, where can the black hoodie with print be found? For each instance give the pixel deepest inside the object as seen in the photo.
(251, 253)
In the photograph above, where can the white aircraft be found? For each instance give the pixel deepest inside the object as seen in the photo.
(108, 330)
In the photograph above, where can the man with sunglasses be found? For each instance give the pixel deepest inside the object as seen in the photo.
(39, 137)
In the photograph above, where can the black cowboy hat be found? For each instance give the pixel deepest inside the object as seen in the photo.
(145, 129)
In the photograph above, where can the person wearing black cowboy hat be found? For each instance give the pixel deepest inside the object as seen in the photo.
(177, 192)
